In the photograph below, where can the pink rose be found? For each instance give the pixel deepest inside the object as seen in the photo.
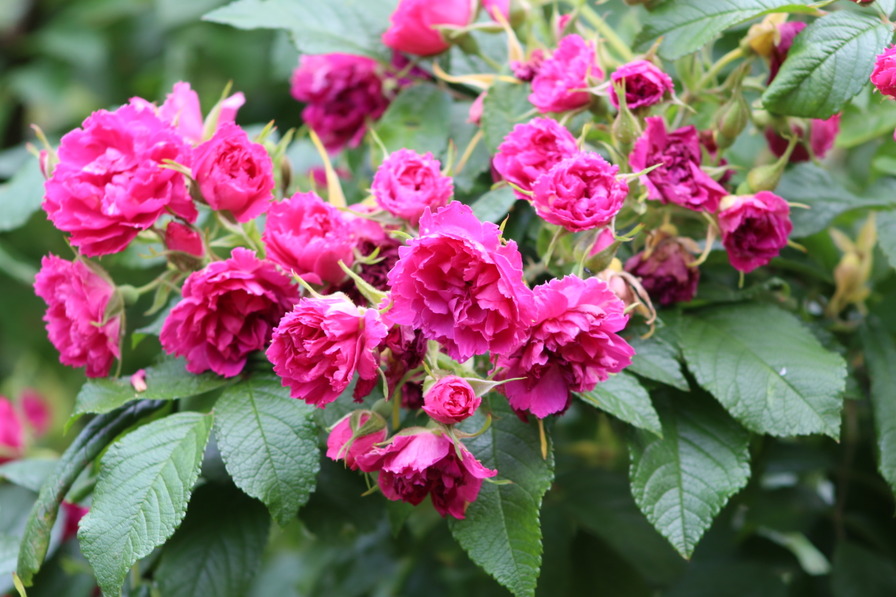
(234, 174)
(530, 150)
(109, 184)
(308, 237)
(406, 183)
(501, 6)
(346, 442)
(787, 32)
(579, 193)
(411, 25)
(227, 311)
(754, 228)
(679, 179)
(665, 271)
(12, 439)
(822, 134)
(526, 70)
(79, 322)
(562, 79)
(181, 110)
(73, 515)
(645, 84)
(183, 238)
(36, 411)
(342, 91)
(460, 285)
(419, 462)
(572, 346)
(319, 345)
(451, 400)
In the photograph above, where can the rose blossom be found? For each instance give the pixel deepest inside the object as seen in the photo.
(346, 443)
(787, 32)
(420, 462)
(36, 411)
(572, 346)
(309, 237)
(884, 74)
(181, 110)
(665, 271)
(73, 515)
(526, 70)
(319, 345)
(645, 84)
(406, 183)
(78, 318)
(530, 150)
(233, 173)
(411, 25)
(109, 184)
(182, 238)
(679, 178)
(451, 400)
(460, 285)
(561, 79)
(12, 440)
(579, 193)
(754, 228)
(822, 134)
(341, 91)
(227, 311)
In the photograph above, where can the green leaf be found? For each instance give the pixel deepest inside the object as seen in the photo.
(269, 444)
(814, 186)
(682, 480)
(829, 63)
(144, 484)
(501, 531)
(506, 105)
(95, 436)
(767, 369)
(624, 398)
(494, 205)
(656, 359)
(688, 25)
(880, 355)
(419, 118)
(886, 234)
(28, 472)
(168, 380)
(861, 572)
(348, 26)
(217, 550)
(21, 196)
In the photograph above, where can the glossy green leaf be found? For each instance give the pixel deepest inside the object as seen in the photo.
(348, 26)
(21, 196)
(502, 529)
(880, 356)
(28, 472)
(269, 444)
(826, 197)
(682, 480)
(506, 105)
(624, 398)
(95, 436)
(685, 26)
(494, 205)
(217, 549)
(168, 380)
(766, 368)
(419, 118)
(144, 484)
(656, 359)
(828, 64)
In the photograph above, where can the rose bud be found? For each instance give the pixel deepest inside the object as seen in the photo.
(558, 86)
(451, 400)
(754, 228)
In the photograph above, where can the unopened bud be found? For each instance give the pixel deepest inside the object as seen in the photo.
(765, 178)
(732, 120)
